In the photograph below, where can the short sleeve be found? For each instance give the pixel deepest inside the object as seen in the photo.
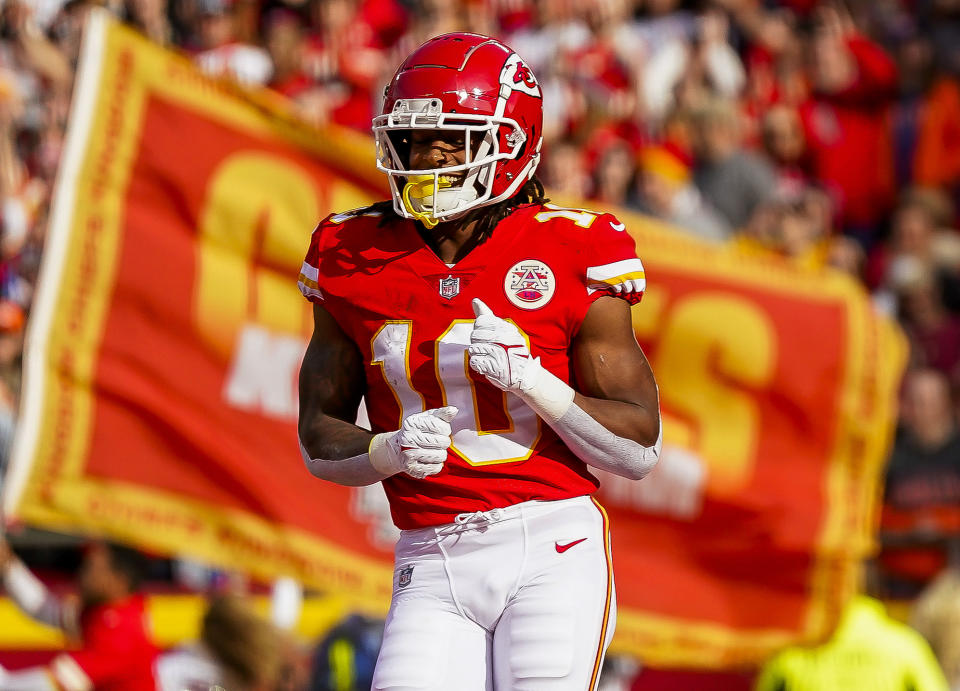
(611, 265)
(309, 279)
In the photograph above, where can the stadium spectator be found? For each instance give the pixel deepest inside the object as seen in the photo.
(221, 53)
(921, 514)
(238, 650)
(347, 654)
(29, 53)
(916, 100)
(151, 18)
(921, 237)
(936, 159)
(847, 255)
(664, 190)
(933, 331)
(688, 73)
(115, 651)
(868, 651)
(284, 35)
(773, 60)
(792, 224)
(784, 143)
(732, 180)
(846, 119)
(936, 616)
(347, 55)
(566, 169)
(554, 27)
(554, 34)
(602, 72)
(614, 174)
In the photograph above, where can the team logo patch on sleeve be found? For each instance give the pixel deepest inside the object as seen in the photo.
(529, 284)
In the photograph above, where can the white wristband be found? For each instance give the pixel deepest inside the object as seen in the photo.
(548, 395)
(382, 456)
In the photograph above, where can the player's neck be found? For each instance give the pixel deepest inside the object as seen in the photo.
(451, 241)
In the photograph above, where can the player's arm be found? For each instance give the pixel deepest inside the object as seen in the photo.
(331, 385)
(613, 423)
(614, 380)
(31, 595)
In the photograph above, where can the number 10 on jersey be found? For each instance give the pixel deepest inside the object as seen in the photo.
(390, 346)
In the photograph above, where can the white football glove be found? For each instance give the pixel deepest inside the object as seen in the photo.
(499, 352)
(418, 448)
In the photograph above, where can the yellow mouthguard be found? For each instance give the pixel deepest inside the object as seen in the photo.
(420, 187)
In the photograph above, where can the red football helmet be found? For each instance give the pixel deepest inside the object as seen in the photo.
(477, 86)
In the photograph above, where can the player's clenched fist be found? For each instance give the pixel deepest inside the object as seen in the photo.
(499, 351)
(418, 448)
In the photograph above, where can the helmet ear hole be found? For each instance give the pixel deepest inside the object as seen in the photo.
(523, 147)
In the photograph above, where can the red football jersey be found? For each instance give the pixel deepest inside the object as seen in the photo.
(410, 316)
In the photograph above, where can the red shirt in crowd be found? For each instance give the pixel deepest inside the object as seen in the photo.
(116, 653)
(848, 138)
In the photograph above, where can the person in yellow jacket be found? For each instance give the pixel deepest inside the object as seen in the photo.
(868, 652)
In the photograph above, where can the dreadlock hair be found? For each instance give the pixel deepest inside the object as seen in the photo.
(487, 217)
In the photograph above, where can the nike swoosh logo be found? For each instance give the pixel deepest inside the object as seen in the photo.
(617, 226)
(563, 548)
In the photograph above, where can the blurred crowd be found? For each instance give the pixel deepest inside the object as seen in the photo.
(823, 131)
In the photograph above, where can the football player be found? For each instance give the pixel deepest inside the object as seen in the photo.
(491, 335)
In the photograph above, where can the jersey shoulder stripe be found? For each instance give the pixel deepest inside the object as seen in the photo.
(307, 282)
(339, 230)
(616, 273)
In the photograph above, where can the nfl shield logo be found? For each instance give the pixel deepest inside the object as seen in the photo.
(405, 576)
(449, 287)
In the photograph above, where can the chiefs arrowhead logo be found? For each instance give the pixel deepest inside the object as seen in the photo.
(523, 74)
(516, 75)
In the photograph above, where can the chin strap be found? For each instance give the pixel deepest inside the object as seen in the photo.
(420, 188)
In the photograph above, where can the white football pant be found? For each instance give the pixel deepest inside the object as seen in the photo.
(513, 599)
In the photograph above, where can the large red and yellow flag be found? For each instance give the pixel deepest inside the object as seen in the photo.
(160, 398)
